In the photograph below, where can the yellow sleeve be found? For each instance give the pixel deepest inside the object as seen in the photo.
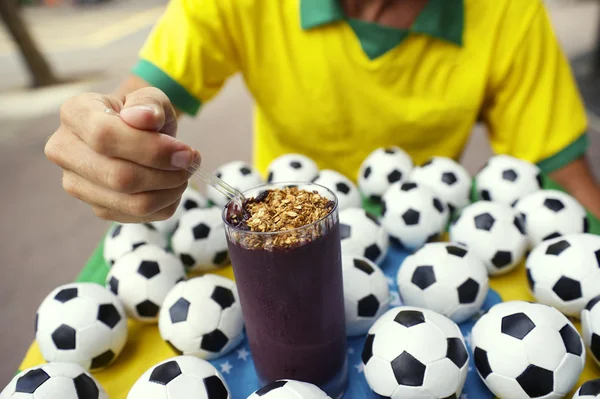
(190, 53)
(533, 109)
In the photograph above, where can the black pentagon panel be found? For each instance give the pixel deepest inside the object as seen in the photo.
(408, 370)
(485, 221)
(64, 337)
(165, 373)
(85, 387)
(423, 277)
(363, 266)
(147, 309)
(572, 340)
(567, 289)
(150, 226)
(590, 388)
(215, 389)
(518, 222)
(457, 352)
(270, 177)
(456, 251)
(187, 260)
(367, 172)
(116, 231)
(394, 176)
(409, 318)
(517, 325)
(435, 237)
(174, 348)
(449, 178)
(214, 341)
(555, 205)
(179, 310)
(557, 248)
(376, 199)
(223, 296)
(590, 305)
(595, 346)
(342, 188)
(345, 231)
(66, 295)
(427, 163)
(190, 204)
(244, 170)
(368, 306)
(108, 314)
(482, 363)
(383, 209)
(502, 259)
(485, 195)
(221, 258)
(389, 150)
(270, 387)
(467, 292)
(551, 236)
(509, 175)
(201, 231)
(372, 252)
(530, 280)
(31, 381)
(411, 217)
(367, 352)
(102, 360)
(148, 269)
(536, 381)
(540, 180)
(137, 245)
(437, 204)
(408, 186)
(113, 285)
(597, 254)
(295, 165)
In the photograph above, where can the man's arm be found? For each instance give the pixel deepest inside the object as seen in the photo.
(578, 180)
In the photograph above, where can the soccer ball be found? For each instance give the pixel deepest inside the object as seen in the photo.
(590, 326)
(180, 377)
(505, 179)
(589, 390)
(362, 235)
(549, 214)
(366, 294)
(447, 178)
(292, 168)
(565, 272)
(54, 380)
(123, 238)
(239, 175)
(495, 233)
(190, 199)
(289, 389)
(202, 317)
(413, 215)
(345, 190)
(199, 240)
(447, 278)
(527, 350)
(142, 279)
(81, 323)
(415, 353)
(382, 168)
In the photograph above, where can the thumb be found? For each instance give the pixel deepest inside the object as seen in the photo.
(149, 109)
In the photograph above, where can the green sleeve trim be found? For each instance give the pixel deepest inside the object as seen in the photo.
(565, 156)
(178, 95)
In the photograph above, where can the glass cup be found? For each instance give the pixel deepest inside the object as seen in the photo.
(292, 298)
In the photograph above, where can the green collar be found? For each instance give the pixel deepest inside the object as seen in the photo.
(442, 19)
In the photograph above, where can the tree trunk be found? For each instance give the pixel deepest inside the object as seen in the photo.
(40, 70)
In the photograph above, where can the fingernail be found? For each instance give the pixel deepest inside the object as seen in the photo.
(182, 159)
(139, 108)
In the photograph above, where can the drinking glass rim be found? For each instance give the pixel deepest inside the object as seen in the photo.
(282, 184)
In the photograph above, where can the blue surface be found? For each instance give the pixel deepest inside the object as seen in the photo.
(238, 369)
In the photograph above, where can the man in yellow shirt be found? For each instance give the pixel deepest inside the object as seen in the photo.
(332, 79)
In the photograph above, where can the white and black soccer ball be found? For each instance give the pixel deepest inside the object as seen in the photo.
(495, 232)
(180, 377)
(505, 179)
(202, 317)
(415, 353)
(413, 215)
(292, 168)
(123, 238)
(239, 175)
(588, 390)
(345, 190)
(54, 380)
(564, 272)
(363, 235)
(549, 214)
(141, 279)
(527, 350)
(190, 199)
(447, 278)
(382, 168)
(199, 240)
(81, 323)
(289, 389)
(590, 327)
(447, 178)
(366, 294)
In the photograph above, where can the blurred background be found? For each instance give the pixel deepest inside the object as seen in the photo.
(51, 50)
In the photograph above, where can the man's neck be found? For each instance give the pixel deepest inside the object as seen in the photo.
(395, 13)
